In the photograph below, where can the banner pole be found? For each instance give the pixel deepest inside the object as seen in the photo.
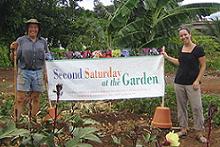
(162, 104)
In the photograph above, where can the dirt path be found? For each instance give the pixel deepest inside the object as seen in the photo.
(210, 83)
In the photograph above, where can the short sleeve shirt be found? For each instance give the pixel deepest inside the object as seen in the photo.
(189, 66)
(31, 55)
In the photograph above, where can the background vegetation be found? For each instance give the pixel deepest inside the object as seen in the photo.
(132, 24)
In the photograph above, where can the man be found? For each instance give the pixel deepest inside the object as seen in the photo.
(31, 52)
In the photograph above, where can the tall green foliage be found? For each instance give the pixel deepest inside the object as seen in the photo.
(4, 56)
(150, 23)
(13, 14)
(88, 31)
(128, 23)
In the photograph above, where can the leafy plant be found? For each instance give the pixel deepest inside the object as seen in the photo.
(116, 140)
(148, 23)
(8, 130)
(149, 139)
(6, 105)
(57, 53)
(34, 139)
(82, 134)
(211, 99)
(138, 105)
(147, 105)
(4, 54)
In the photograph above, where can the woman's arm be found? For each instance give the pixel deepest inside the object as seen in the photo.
(169, 58)
(202, 62)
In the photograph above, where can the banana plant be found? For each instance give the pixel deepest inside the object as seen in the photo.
(150, 23)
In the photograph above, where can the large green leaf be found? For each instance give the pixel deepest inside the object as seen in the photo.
(81, 134)
(93, 137)
(152, 21)
(79, 145)
(10, 131)
(14, 133)
(121, 15)
(73, 142)
(90, 121)
(37, 139)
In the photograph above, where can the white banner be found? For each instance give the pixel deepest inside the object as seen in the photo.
(107, 78)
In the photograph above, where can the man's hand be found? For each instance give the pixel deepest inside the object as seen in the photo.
(14, 45)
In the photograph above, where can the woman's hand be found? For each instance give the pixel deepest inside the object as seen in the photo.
(196, 85)
(169, 58)
(164, 52)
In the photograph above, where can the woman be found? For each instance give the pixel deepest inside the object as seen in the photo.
(31, 61)
(191, 67)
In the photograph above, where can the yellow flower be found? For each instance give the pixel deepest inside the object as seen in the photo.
(173, 138)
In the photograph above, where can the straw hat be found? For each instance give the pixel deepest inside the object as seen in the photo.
(32, 21)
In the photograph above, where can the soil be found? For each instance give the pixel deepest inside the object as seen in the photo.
(129, 126)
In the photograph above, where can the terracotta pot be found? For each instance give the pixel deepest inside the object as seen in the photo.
(162, 118)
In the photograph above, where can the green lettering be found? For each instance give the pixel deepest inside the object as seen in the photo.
(124, 80)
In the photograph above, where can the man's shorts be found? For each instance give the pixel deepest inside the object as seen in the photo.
(30, 80)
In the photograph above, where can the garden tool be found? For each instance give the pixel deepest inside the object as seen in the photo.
(13, 47)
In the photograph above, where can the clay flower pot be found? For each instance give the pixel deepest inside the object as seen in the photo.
(162, 118)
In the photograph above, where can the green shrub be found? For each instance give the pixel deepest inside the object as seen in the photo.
(57, 53)
(144, 105)
(147, 105)
(169, 67)
(215, 100)
(6, 104)
(213, 62)
(4, 56)
(212, 50)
